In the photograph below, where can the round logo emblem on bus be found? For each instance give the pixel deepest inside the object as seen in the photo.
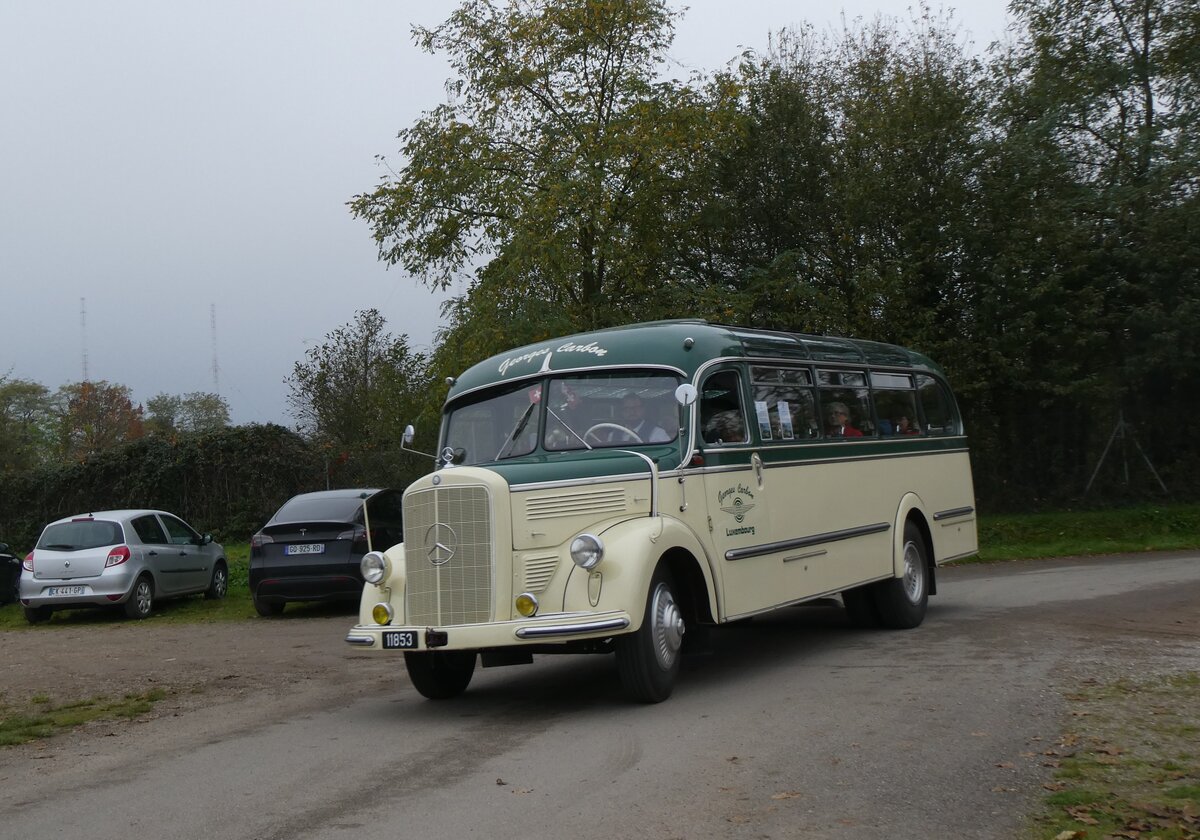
(440, 543)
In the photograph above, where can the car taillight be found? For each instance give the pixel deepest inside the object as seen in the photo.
(259, 540)
(27, 563)
(357, 536)
(117, 556)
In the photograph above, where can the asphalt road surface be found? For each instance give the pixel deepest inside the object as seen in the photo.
(792, 725)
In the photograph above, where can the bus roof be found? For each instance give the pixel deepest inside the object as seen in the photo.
(684, 345)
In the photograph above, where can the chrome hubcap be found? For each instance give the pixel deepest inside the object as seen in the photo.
(666, 627)
(914, 573)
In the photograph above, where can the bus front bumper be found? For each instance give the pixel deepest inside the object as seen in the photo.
(556, 627)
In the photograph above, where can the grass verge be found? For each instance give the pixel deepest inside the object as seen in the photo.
(42, 718)
(1129, 765)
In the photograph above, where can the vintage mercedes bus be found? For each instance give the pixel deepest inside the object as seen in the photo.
(610, 491)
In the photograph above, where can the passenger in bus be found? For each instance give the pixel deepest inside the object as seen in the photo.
(725, 427)
(905, 427)
(837, 421)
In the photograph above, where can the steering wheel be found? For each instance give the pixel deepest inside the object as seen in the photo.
(591, 433)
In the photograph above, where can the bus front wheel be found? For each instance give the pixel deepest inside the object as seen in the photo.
(648, 660)
(440, 675)
(902, 601)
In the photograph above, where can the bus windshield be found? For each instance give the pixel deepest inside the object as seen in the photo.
(589, 411)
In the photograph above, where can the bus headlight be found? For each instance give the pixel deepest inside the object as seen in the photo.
(374, 567)
(587, 551)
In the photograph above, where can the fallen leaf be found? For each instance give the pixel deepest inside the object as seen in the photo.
(787, 794)
(1080, 813)
(1069, 835)
(501, 782)
(1005, 765)
(1053, 785)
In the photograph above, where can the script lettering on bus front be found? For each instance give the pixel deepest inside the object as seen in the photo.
(591, 348)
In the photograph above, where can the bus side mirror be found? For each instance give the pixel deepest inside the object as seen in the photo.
(407, 439)
(685, 394)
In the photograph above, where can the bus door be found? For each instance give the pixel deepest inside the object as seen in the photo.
(735, 496)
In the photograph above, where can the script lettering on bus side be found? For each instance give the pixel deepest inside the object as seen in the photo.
(738, 507)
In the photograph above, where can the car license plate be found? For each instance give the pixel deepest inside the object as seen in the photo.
(66, 590)
(305, 548)
(399, 639)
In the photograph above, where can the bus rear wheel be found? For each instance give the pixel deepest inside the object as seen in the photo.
(440, 675)
(648, 660)
(902, 601)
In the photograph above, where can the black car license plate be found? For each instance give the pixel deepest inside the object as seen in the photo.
(399, 639)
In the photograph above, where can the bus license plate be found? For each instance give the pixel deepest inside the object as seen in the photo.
(399, 639)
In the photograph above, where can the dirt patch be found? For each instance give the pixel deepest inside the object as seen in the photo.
(194, 664)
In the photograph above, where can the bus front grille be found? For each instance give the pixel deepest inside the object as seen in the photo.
(448, 550)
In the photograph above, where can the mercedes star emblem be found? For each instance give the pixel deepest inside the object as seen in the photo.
(440, 543)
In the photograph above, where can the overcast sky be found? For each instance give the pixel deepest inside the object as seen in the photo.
(164, 161)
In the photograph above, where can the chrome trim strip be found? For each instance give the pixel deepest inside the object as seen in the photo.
(653, 478)
(805, 542)
(572, 629)
(952, 513)
(362, 641)
(578, 482)
(808, 555)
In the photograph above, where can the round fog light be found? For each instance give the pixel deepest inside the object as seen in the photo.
(382, 613)
(587, 551)
(526, 604)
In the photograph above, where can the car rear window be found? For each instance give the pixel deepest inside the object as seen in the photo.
(319, 510)
(80, 535)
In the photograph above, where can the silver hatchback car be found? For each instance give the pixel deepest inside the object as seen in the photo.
(124, 558)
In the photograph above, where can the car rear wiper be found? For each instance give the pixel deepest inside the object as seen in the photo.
(60, 547)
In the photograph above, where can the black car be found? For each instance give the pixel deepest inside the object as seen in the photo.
(311, 548)
(10, 574)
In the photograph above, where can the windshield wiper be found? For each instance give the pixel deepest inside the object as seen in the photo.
(567, 426)
(516, 432)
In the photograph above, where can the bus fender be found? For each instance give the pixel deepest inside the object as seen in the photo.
(632, 550)
(909, 504)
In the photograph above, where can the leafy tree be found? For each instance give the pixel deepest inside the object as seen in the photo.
(194, 412)
(1093, 197)
(95, 416)
(354, 394)
(27, 424)
(162, 414)
(552, 166)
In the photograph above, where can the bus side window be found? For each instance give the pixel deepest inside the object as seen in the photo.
(721, 417)
(937, 406)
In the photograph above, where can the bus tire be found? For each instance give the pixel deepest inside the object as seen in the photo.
(861, 608)
(440, 674)
(648, 660)
(902, 601)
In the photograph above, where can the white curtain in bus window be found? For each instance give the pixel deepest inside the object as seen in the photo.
(846, 404)
(787, 395)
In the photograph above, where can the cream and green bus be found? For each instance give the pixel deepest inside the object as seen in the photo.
(611, 491)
